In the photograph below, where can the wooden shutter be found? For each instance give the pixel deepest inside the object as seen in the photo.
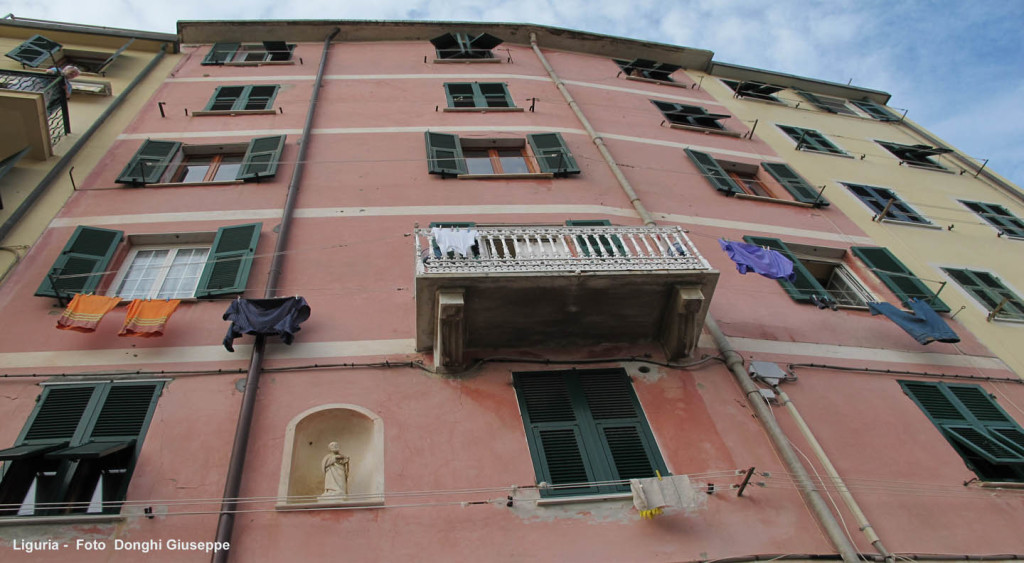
(553, 432)
(806, 286)
(220, 53)
(126, 411)
(816, 101)
(225, 98)
(999, 217)
(553, 154)
(444, 154)
(259, 97)
(714, 173)
(58, 414)
(149, 163)
(460, 95)
(35, 52)
(876, 111)
(113, 57)
(227, 265)
(897, 276)
(494, 95)
(794, 183)
(88, 251)
(261, 158)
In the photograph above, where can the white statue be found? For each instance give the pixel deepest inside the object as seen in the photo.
(335, 468)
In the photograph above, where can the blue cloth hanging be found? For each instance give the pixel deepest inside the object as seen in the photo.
(924, 324)
(765, 261)
(281, 315)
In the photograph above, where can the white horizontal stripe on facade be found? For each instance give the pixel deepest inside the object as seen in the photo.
(365, 348)
(246, 79)
(248, 134)
(821, 353)
(659, 95)
(68, 359)
(713, 150)
(432, 210)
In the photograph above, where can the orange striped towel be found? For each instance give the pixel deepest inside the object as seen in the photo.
(85, 312)
(146, 318)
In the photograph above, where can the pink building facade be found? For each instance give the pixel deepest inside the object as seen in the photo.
(491, 406)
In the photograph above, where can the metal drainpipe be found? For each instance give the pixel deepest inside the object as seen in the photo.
(732, 359)
(43, 184)
(598, 141)
(226, 521)
(851, 503)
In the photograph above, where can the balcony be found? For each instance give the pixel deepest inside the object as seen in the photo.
(34, 111)
(556, 287)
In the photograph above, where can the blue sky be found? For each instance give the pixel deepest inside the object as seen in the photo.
(957, 66)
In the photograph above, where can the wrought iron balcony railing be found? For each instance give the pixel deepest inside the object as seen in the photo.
(522, 249)
(53, 89)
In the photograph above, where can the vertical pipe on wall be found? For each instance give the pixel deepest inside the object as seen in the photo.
(734, 361)
(233, 481)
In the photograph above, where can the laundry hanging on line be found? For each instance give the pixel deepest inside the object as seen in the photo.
(457, 240)
(651, 496)
(84, 312)
(765, 261)
(147, 318)
(281, 315)
(924, 324)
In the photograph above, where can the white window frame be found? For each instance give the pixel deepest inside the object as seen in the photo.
(174, 242)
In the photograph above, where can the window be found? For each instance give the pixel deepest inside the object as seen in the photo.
(586, 431)
(690, 116)
(821, 276)
(478, 95)
(755, 90)
(39, 51)
(915, 155)
(825, 103)
(172, 162)
(897, 277)
(243, 98)
(249, 53)
(462, 46)
(172, 266)
(732, 178)
(646, 68)
(448, 155)
(999, 217)
(876, 111)
(77, 451)
(810, 140)
(1001, 302)
(885, 203)
(990, 442)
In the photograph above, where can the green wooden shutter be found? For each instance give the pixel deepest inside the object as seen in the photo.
(35, 52)
(897, 276)
(58, 415)
(126, 411)
(220, 53)
(553, 432)
(816, 101)
(553, 154)
(259, 97)
(876, 111)
(88, 251)
(444, 154)
(714, 173)
(261, 158)
(149, 163)
(794, 183)
(494, 95)
(227, 266)
(998, 216)
(114, 56)
(225, 98)
(806, 286)
(460, 95)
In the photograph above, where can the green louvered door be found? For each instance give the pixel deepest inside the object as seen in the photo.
(713, 172)
(227, 266)
(81, 264)
(444, 154)
(794, 184)
(261, 158)
(897, 276)
(553, 154)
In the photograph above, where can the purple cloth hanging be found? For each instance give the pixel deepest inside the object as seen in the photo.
(765, 261)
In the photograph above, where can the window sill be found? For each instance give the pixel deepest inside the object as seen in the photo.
(840, 155)
(775, 200)
(482, 110)
(555, 501)
(707, 130)
(996, 484)
(449, 61)
(1007, 320)
(761, 100)
(655, 81)
(255, 63)
(931, 226)
(234, 112)
(184, 184)
(63, 519)
(377, 502)
(926, 167)
(527, 176)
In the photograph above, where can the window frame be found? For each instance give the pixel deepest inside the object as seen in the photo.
(497, 168)
(261, 156)
(988, 295)
(811, 140)
(465, 47)
(643, 69)
(876, 198)
(198, 240)
(478, 97)
(1004, 221)
(231, 50)
(719, 173)
(684, 116)
(240, 103)
(737, 88)
(829, 104)
(546, 151)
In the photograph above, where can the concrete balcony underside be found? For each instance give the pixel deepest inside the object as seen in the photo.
(34, 110)
(556, 287)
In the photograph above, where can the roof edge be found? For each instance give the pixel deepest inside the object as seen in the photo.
(813, 85)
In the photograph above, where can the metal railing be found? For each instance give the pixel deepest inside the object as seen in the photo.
(53, 89)
(554, 249)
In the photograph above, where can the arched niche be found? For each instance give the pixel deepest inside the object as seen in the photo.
(360, 436)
